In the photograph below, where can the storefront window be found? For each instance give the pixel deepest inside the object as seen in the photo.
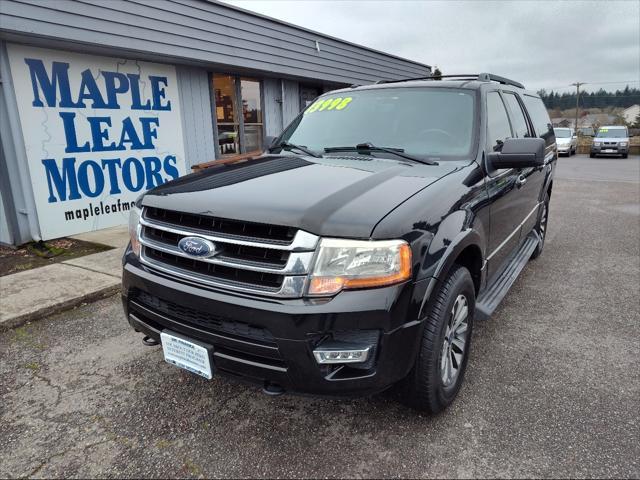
(226, 102)
(238, 131)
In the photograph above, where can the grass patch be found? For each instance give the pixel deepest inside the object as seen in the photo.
(40, 254)
(33, 366)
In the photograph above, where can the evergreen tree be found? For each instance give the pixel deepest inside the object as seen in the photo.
(599, 99)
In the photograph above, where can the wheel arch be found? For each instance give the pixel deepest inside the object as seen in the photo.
(465, 250)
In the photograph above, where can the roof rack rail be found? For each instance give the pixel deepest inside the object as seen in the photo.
(490, 77)
(483, 77)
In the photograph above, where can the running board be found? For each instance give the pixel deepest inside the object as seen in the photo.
(489, 300)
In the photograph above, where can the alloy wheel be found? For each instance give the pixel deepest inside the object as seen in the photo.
(543, 221)
(455, 341)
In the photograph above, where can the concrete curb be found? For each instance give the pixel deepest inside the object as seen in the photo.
(34, 294)
(20, 320)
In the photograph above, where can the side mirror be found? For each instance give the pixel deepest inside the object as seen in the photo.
(268, 142)
(518, 153)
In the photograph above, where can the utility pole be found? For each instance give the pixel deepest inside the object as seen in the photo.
(577, 85)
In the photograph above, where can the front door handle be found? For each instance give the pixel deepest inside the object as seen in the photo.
(521, 180)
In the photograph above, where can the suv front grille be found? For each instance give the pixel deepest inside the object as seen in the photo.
(256, 258)
(222, 226)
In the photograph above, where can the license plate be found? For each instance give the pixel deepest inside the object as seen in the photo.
(609, 150)
(188, 354)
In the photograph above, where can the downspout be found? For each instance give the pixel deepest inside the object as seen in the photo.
(29, 209)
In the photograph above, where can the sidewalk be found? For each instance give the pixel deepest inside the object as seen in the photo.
(29, 295)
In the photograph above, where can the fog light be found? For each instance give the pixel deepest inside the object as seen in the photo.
(341, 355)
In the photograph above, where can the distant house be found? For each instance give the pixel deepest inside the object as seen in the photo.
(596, 120)
(562, 122)
(588, 121)
(630, 114)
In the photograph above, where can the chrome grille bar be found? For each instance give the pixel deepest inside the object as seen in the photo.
(292, 286)
(303, 241)
(298, 263)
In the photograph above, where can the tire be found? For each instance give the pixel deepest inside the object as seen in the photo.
(625, 155)
(430, 386)
(541, 227)
(592, 155)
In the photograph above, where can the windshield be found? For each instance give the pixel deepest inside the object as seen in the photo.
(423, 122)
(562, 132)
(612, 133)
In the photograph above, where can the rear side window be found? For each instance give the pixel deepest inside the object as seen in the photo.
(518, 119)
(498, 128)
(539, 118)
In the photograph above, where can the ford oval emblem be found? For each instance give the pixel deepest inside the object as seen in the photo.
(197, 247)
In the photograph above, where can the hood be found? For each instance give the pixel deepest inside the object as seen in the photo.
(331, 196)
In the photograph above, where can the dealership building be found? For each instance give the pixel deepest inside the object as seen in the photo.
(100, 101)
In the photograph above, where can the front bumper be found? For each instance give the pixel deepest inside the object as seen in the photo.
(564, 149)
(610, 150)
(264, 340)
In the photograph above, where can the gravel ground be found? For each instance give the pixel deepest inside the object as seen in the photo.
(552, 388)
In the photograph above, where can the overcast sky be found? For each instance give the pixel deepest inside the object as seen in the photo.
(544, 44)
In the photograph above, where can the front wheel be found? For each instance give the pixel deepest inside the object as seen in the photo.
(436, 377)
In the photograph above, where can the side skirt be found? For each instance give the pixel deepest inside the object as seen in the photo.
(490, 297)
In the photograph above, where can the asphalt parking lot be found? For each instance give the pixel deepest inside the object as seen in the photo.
(552, 389)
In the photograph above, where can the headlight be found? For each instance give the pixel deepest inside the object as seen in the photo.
(596, 144)
(134, 221)
(343, 264)
(623, 144)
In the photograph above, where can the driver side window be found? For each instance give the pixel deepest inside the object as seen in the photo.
(498, 127)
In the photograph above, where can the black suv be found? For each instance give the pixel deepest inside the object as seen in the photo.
(357, 251)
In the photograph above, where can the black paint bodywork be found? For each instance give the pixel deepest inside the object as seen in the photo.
(458, 211)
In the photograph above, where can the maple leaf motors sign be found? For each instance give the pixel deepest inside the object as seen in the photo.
(98, 132)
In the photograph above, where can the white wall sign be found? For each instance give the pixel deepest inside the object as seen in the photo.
(98, 132)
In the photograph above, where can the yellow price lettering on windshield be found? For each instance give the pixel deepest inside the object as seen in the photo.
(328, 104)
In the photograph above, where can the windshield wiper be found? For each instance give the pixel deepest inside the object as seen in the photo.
(368, 147)
(288, 145)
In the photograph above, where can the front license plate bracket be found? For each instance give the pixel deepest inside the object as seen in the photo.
(187, 353)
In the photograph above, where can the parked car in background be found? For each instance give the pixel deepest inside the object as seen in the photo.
(586, 131)
(611, 140)
(566, 141)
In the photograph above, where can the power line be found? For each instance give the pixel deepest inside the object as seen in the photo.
(609, 83)
(596, 83)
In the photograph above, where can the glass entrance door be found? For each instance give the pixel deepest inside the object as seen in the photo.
(251, 114)
(307, 96)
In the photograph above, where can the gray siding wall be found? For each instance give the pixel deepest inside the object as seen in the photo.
(14, 171)
(5, 233)
(197, 117)
(202, 31)
(290, 101)
(272, 91)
